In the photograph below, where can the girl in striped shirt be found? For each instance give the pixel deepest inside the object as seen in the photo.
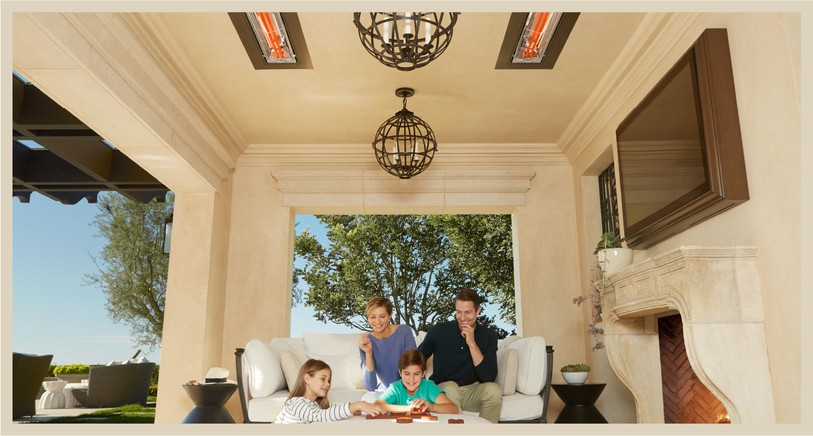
(308, 402)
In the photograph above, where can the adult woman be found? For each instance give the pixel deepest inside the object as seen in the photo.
(381, 348)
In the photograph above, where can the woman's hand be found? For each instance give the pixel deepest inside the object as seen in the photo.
(364, 343)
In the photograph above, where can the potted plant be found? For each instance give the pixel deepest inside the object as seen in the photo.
(73, 373)
(575, 373)
(611, 255)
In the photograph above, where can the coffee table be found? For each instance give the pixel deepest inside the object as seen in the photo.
(442, 419)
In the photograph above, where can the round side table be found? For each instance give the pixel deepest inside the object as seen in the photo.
(209, 399)
(579, 403)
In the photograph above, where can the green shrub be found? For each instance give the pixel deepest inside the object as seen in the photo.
(576, 367)
(51, 371)
(154, 379)
(75, 368)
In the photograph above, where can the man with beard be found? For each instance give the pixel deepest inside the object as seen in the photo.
(465, 364)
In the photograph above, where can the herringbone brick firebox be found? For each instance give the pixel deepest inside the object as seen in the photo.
(685, 398)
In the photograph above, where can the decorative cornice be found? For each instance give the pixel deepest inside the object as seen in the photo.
(360, 156)
(172, 59)
(654, 39)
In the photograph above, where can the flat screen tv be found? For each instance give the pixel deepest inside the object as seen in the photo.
(680, 158)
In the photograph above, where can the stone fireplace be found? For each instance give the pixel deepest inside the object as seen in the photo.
(716, 291)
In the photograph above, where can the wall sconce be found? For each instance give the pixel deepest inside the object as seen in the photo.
(167, 234)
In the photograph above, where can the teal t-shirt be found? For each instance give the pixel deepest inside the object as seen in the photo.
(396, 393)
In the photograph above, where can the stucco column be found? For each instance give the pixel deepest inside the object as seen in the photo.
(260, 259)
(547, 278)
(193, 314)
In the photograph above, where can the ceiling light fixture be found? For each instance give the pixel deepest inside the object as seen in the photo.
(405, 40)
(404, 144)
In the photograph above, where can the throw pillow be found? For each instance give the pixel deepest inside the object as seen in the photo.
(504, 343)
(531, 364)
(290, 368)
(263, 367)
(507, 361)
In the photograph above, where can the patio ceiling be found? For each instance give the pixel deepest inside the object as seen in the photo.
(58, 156)
(347, 94)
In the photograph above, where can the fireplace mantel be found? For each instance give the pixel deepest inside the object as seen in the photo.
(717, 292)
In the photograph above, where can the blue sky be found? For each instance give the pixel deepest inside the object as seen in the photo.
(54, 312)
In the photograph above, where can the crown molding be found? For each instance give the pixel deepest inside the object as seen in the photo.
(638, 65)
(172, 58)
(361, 156)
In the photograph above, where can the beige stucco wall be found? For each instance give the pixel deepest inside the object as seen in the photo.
(764, 55)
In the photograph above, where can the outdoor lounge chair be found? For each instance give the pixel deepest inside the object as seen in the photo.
(28, 372)
(116, 385)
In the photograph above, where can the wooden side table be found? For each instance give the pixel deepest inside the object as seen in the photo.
(209, 399)
(579, 403)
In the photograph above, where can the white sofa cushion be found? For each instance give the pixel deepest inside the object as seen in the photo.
(265, 374)
(504, 343)
(265, 409)
(341, 352)
(345, 370)
(520, 407)
(531, 364)
(330, 343)
(507, 361)
(291, 363)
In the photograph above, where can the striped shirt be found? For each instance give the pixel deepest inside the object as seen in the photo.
(300, 410)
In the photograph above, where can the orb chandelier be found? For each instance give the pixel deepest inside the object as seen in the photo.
(404, 144)
(405, 40)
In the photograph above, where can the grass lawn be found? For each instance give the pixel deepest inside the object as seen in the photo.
(129, 414)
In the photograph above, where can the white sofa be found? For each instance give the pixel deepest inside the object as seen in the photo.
(264, 370)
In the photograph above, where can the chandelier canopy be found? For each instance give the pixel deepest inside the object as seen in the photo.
(405, 40)
(404, 144)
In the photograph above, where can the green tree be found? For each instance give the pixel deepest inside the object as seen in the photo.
(132, 264)
(483, 246)
(406, 258)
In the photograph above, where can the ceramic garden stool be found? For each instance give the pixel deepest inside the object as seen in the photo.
(53, 398)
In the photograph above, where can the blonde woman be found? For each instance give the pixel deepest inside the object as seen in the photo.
(381, 348)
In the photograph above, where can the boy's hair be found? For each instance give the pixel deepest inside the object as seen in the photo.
(377, 302)
(311, 367)
(467, 294)
(411, 357)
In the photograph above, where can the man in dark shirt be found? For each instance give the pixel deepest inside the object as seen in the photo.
(465, 364)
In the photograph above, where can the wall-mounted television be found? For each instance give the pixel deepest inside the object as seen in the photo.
(680, 158)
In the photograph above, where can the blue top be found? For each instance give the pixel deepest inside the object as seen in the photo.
(386, 353)
(453, 358)
(397, 394)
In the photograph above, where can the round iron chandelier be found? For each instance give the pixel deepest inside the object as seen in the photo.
(405, 40)
(404, 144)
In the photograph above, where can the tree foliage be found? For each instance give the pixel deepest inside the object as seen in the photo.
(483, 246)
(411, 259)
(132, 264)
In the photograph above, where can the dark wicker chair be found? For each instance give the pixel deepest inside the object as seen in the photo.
(28, 372)
(117, 385)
